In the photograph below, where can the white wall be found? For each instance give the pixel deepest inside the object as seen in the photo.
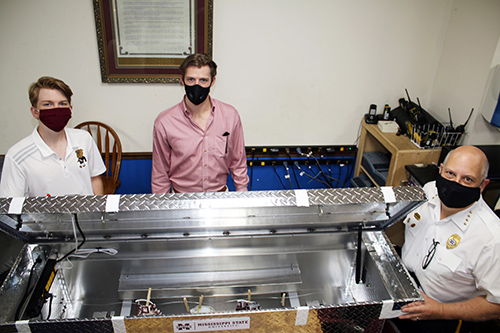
(481, 131)
(470, 44)
(299, 72)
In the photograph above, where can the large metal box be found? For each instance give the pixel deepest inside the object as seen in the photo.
(312, 260)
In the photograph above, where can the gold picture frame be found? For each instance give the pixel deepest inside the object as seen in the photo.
(161, 33)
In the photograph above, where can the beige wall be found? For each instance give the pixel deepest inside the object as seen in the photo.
(481, 132)
(472, 40)
(299, 72)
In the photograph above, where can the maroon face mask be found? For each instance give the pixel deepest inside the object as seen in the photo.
(56, 118)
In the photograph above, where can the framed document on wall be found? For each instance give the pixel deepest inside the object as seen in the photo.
(145, 41)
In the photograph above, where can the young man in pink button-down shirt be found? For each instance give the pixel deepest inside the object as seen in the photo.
(197, 142)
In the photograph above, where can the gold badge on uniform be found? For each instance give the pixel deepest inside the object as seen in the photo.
(453, 241)
(417, 216)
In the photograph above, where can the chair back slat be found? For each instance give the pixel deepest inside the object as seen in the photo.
(113, 156)
(98, 139)
(106, 152)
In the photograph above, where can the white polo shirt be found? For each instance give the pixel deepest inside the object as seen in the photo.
(466, 263)
(31, 168)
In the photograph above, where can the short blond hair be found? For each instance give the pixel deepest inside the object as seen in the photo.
(48, 83)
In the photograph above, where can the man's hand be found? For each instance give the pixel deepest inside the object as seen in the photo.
(428, 309)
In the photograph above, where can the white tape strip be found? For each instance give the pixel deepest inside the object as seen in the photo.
(126, 308)
(302, 314)
(119, 324)
(112, 203)
(302, 198)
(294, 299)
(388, 193)
(16, 205)
(387, 311)
(23, 326)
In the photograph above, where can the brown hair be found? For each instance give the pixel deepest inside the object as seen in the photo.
(48, 83)
(199, 60)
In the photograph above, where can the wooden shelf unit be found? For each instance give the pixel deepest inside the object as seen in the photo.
(403, 152)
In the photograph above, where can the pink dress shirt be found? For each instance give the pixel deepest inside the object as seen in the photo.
(191, 159)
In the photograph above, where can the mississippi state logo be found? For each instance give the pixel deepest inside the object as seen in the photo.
(81, 158)
(183, 327)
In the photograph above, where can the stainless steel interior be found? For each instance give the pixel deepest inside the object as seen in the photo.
(219, 245)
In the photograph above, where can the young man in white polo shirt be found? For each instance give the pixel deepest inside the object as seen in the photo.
(53, 160)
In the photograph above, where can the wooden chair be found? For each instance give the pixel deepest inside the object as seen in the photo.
(110, 147)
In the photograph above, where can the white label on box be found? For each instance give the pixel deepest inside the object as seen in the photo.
(23, 326)
(214, 324)
(16, 205)
(302, 314)
(302, 198)
(388, 192)
(294, 299)
(388, 310)
(119, 324)
(112, 203)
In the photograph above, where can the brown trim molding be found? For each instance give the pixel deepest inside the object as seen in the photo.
(137, 156)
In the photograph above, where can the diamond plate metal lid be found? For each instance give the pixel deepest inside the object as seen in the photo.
(208, 214)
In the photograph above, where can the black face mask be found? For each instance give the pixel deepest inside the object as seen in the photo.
(196, 94)
(455, 195)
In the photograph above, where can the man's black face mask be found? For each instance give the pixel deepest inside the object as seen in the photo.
(196, 94)
(455, 195)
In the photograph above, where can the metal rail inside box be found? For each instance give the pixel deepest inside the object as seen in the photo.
(270, 261)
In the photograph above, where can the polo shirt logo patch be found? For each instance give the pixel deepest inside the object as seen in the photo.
(81, 158)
